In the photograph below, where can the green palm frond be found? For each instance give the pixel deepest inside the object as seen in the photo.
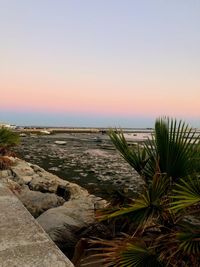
(178, 245)
(148, 206)
(181, 246)
(186, 193)
(138, 256)
(127, 252)
(174, 148)
(136, 156)
(189, 242)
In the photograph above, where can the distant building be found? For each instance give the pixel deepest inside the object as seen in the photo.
(8, 126)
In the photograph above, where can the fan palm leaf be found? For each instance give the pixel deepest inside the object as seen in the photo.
(138, 256)
(127, 252)
(181, 246)
(134, 155)
(173, 147)
(149, 205)
(186, 193)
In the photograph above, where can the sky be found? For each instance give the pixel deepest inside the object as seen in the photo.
(102, 63)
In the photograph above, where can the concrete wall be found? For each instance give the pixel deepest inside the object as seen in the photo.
(23, 243)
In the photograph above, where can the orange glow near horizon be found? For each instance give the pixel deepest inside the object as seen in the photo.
(88, 100)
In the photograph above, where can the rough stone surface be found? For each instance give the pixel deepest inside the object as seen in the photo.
(43, 183)
(72, 213)
(21, 170)
(5, 173)
(37, 202)
(22, 241)
(63, 223)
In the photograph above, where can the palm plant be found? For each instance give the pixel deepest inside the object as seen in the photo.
(165, 228)
(174, 149)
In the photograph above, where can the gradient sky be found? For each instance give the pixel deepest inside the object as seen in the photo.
(99, 62)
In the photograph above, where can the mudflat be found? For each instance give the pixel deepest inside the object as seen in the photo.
(88, 159)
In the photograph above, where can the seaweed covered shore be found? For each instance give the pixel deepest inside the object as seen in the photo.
(88, 159)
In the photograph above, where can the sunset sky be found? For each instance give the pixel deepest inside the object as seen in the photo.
(99, 62)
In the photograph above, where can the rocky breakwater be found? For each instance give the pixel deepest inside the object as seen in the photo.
(62, 208)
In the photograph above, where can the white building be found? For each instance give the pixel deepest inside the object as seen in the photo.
(8, 126)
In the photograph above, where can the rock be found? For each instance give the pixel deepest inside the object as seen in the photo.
(21, 168)
(56, 169)
(83, 174)
(62, 218)
(60, 222)
(27, 179)
(76, 192)
(81, 210)
(36, 168)
(63, 223)
(97, 153)
(5, 173)
(60, 142)
(40, 180)
(43, 183)
(37, 202)
(22, 135)
(61, 227)
(12, 185)
(45, 132)
(27, 157)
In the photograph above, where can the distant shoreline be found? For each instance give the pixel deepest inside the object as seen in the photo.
(131, 134)
(79, 130)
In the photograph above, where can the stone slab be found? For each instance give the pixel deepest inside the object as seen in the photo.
(22, 240)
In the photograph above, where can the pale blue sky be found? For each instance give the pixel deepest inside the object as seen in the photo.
(109, 62)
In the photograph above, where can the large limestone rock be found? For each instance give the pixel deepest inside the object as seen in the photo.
(37, 179)
(37, 202)
(34, 176)
(40, 180)
(43, 183)
(63, 224)
(21, 171)
(76, 213)
(5, 174)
